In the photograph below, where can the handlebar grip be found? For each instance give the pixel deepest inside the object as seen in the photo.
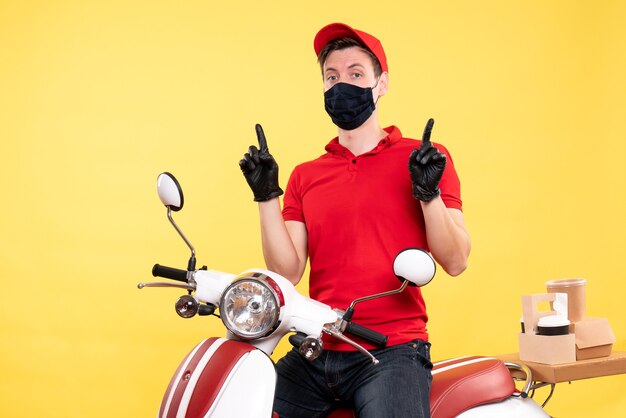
(367, 334)
(169, 273)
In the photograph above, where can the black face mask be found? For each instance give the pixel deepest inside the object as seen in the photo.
(349, 106)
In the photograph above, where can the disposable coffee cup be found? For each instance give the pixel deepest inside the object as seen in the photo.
(553, 325)
(576, 296)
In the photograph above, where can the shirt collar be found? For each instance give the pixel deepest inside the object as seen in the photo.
(393, 136)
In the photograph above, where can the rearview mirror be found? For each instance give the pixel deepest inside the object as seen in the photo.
(414, 265)
(170, 192)
(171, 196)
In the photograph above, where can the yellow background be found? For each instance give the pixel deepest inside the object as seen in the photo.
(97, 98)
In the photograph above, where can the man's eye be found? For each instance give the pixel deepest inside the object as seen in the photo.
(357, 75)
(332, 78)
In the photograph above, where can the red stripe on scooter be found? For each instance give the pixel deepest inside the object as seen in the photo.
(179, 384)
(171, 385)
(214, 375)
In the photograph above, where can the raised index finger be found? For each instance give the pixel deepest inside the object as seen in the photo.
(261, 137)
(427, 130)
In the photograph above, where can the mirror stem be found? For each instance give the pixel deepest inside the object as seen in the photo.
(379, 295)
(192, 260)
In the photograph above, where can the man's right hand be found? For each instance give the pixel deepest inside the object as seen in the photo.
(260, 170)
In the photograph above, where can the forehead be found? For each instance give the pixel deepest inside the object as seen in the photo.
(348, 57)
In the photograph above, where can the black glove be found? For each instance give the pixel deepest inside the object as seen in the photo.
(260, 170)
(426, 166)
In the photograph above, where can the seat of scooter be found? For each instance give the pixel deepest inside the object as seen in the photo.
(460, 384)
(463, 383)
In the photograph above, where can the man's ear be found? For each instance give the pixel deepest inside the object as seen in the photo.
(383, 83)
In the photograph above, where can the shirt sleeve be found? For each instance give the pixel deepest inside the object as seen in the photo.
(292, 201)
(450, 184)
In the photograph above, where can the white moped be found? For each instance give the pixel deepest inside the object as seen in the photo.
(235, 376)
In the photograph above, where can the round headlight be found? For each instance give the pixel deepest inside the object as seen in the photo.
(250, 308)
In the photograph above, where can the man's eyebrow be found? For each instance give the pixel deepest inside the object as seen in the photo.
(356, 64)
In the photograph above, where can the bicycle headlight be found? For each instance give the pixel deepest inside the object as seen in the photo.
(250, 306)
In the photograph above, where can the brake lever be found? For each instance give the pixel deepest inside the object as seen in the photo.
(332, 331)
(190, 287)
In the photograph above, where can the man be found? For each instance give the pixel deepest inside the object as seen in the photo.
(350, 212)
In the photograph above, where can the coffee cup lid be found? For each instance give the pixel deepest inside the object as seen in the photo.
(553, 321)
(559, 283)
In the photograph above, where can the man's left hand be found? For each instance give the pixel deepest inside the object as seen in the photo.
(426, 166)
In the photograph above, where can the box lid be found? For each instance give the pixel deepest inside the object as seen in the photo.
(593, 332)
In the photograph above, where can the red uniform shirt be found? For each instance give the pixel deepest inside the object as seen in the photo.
(359, 212)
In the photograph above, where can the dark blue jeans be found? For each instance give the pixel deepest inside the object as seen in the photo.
(399, 386)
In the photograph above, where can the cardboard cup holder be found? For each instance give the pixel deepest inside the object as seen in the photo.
(552, 337)
(549, 349)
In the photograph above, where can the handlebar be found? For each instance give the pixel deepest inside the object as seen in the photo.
(169, 273)
(367, 334)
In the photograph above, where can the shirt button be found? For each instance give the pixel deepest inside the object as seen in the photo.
(353, 161)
